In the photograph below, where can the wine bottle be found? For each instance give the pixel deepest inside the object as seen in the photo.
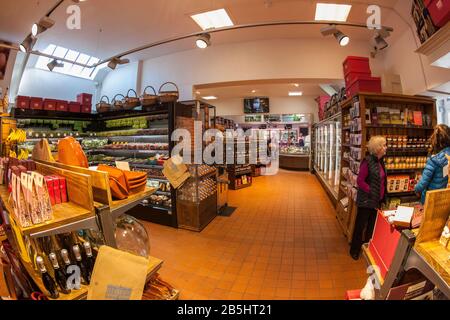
(60, 277)
(66, 259)
(90, 261)
(84, 271)
(47, 280)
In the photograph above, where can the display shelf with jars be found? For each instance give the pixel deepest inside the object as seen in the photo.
(405, 121)
(327, 162)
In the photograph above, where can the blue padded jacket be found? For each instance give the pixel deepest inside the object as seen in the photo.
(433, 174)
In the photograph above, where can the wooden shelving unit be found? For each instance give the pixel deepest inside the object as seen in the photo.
(370, 101)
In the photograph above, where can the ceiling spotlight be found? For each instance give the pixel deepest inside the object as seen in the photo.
(340, 37)
(44, 24)
(53, 64)
(203, 41)
(380, 43)
(115, 61)
(27, 44)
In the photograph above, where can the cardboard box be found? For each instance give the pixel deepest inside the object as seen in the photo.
(84, 98)
(62, 105)
(36, 103)
(74, 107)
(22, 102)
(50, 104)
(86, 109)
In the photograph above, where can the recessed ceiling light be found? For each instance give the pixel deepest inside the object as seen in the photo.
(210, 98)
(443, 62)
(253, 91)
(213, 19)
(296, 85)
(332, 12)
(295, 94)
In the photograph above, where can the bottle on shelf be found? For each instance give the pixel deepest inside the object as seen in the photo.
(60, 277)
(84, 271)
(67, 265)
(47, 280)
(90, 261)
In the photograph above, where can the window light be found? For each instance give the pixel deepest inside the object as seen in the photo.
(332, 12)
(213, 19)
(70, 68)
(443, 62)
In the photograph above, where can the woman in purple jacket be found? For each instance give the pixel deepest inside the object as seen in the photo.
(372, 187)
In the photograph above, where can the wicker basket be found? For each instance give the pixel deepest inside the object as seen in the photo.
(168, 96)
(117, 104)
(129, 103)
(149, 100)
(103, 106)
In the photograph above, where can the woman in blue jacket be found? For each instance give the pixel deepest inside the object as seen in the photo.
(433, 175)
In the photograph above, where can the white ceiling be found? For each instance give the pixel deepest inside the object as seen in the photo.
(110, 27)
(265, 88)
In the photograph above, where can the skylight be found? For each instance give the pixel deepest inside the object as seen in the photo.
(70, 68)
(332, 12)
(213, 19)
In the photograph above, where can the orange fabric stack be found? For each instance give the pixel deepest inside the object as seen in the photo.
(123, 183)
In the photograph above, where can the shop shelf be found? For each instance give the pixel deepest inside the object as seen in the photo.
(397, 126)
(67, 217)
(164, 193)
(154, 265)
(119, 207)
(400, 152)
(146, 166)
(157, 178)
(243, 186)
(401, 194)
(404, 170)
(207, 175)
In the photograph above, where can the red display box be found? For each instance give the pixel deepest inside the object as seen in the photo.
(62, 189)
(50, 104)
(22, 102)
(51, 192)
(384, 243)
(74, 107)
(84, 99)
(36, 103)
(86, 108)
(356, 65)
(62, 105)
(439, 11)
(353, 76)
(364, 84)
(353, 295)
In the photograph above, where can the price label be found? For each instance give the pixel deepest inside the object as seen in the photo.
(123, 165)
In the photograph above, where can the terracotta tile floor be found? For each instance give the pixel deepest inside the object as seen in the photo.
(282, 242)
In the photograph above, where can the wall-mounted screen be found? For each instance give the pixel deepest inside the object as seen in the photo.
(256, 105)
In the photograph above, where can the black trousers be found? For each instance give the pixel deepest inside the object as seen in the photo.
(365, 222)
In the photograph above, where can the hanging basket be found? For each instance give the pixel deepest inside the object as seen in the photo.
(117, 104)
(129, 103)
(149, 100)
(165, 96)
(103, 106)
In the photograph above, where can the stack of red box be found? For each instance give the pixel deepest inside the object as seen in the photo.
(358, 76)
(439, 11)
(57, 189)
(22, 102)
(322, 101)
(85, 100)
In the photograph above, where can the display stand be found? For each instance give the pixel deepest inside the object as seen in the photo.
(413, 249)
(91, 207)
(361, 108)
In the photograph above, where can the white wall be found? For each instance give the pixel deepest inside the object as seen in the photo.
(278, 105)
(46, 84)
(401, 59)
(120, 81)
(267, 59)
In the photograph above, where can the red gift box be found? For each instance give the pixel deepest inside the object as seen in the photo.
(353, 76)
(56, 189)
(51, 192)
(36, 103)
(62, 105)
(50, 104)
(74, 107)
(357, 65)
(22, 102)
(63, 189)
(86, 108)
(439, 11)
(84, 99)
(353, 295)
(364, 84)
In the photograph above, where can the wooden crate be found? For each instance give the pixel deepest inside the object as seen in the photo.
(196, 218)
(436, 215)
